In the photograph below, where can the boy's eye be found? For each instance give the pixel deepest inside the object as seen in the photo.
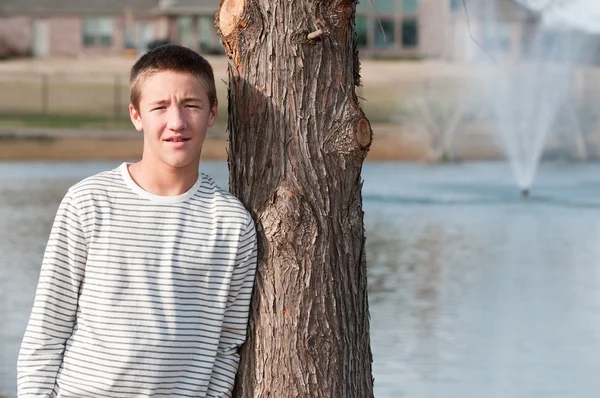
(158, 108)
(191, 106)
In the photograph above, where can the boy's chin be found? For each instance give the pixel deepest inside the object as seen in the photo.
(188, 161)
(173, 160)
(182, 163)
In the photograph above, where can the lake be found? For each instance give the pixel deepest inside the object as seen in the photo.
(474, 291)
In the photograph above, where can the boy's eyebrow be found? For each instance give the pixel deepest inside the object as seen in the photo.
(186, 99)
(159, 102)
(192, 99)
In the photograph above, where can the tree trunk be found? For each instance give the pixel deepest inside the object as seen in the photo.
(298, 139)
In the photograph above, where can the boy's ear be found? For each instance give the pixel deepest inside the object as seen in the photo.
(214, 111)
(135, 117)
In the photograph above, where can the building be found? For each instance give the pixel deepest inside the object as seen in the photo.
(385, 28)
(443, 28)
(504, 28)
(191, 23)
(81, 27)
(401, 28)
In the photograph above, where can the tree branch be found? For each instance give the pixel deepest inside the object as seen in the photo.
(464, 2)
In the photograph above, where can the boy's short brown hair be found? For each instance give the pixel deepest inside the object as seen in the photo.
(171, 58)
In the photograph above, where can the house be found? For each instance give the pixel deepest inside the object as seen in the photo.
(505, 28)
(71, 27)
(401, 28)
(76, 27)
(440, 28)
(191, 23)
(385, 28)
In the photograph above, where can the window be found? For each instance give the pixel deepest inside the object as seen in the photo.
(410, 6)
(384, 5)
(205, 31)
(456, 4)
(361, 31)
(496, 36)
(97, 32)
(376, 6)
(384, 33)
(364, 6)
(184, 28)
(410, 33)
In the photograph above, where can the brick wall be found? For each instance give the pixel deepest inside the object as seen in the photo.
(161, 27)
(434, 20)
(65, 36)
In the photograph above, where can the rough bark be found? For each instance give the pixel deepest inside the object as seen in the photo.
(298, 138)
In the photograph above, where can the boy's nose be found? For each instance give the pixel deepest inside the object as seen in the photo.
(175, 119)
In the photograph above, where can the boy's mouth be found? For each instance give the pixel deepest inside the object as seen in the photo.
(177, 139)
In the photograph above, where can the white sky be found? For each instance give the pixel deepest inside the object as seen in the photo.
(584, 14)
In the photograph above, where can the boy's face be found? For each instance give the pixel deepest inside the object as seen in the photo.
(174, 114)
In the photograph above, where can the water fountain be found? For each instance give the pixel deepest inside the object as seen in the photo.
(528, 86)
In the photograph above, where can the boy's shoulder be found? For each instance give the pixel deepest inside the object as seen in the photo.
(103, 182)
(222, 198)
(110, 185)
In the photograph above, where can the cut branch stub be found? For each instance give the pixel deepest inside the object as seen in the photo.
(315, 35)
(362, 131)
(230, 13)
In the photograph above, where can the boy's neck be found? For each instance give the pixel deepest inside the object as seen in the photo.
(163, 180)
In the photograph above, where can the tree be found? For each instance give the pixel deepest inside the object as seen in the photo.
(298, 138)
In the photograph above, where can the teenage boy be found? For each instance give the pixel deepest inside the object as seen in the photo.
(146, 280)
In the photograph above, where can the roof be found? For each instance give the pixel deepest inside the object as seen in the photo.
(502, 10)
(108, 6)
(76, 6)
(188, 6)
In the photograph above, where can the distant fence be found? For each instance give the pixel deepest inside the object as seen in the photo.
(439, 107)
(107, 95)
(64, 94)
(87, 95)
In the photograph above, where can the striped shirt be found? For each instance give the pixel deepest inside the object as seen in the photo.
(140, 295)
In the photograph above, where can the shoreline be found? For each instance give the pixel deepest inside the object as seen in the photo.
(23, 149)
(390, 144)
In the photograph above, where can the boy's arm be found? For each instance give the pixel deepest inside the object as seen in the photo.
(55, 307)
(235, 321)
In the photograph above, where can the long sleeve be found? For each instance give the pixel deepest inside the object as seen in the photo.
(54, 310)
(235, 321)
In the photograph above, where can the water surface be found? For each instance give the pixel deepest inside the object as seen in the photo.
(474, 292)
